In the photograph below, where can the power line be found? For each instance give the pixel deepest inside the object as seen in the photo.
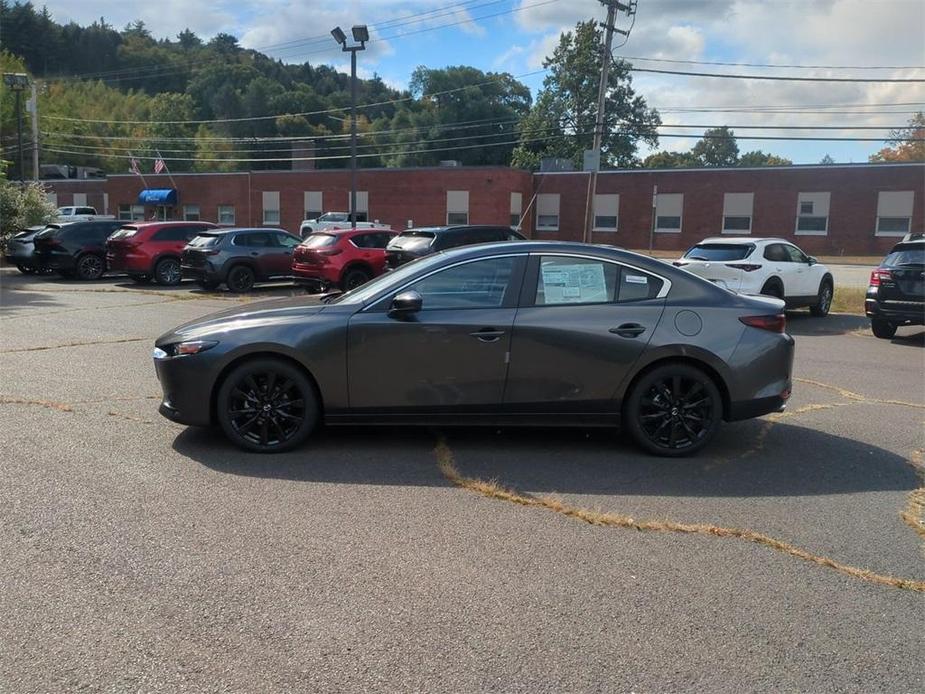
(776, 65)
(781, 78)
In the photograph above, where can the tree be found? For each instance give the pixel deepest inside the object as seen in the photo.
(827, 160)
(22, 206)
(717, 148)
(563, 119)
(903, 147)
(759, 158)
(670, 160)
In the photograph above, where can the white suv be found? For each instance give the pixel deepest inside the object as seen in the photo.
(773, 267)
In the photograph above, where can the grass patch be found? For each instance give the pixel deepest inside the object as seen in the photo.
(849, 300)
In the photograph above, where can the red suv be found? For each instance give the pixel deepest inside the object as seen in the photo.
(345, 258)
(151, 250)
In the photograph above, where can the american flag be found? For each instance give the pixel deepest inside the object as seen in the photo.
(133, 167)
(159, 165)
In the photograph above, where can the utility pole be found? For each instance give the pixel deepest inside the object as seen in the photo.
(17, 83)
(360, 36)
(606, 49)
(33, 107)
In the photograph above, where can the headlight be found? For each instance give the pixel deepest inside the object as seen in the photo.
(179, 349)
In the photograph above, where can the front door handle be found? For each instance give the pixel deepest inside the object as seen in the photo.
(487, 334)
(628, 330)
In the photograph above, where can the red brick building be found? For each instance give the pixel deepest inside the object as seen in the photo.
(852, 209)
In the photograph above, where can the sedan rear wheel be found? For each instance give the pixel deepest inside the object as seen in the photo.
(673, 410)
(267, 406)
(90, 267)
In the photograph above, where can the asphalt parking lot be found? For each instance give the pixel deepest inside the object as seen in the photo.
(141, 555)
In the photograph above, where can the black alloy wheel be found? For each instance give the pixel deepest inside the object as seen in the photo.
(354, 278)
(674, 410)
(90, 267)
(821, 309)
(167, 272)
(25, 269)
(267, 406)
(240, 279)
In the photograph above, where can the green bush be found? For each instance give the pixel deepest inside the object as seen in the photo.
(22, 205)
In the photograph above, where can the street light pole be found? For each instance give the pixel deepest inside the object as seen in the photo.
(17, 82)
(361, 36)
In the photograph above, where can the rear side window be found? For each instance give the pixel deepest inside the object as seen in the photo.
(174, 233)
(256, 239)
(319, 241)
(720, 252)
(571, 281)
(205, 241)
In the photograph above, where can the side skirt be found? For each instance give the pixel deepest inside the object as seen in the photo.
(532, 419)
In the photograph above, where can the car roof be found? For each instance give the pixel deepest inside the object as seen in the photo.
(165, 223)
(455, 227)
(350, 230)
(222, 231)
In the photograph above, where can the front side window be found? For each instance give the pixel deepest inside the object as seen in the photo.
(564, 280)
(795, 255)
(258, 239)
(480, 284)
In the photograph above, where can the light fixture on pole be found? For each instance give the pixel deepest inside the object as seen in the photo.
(360, 36)
(18, 82)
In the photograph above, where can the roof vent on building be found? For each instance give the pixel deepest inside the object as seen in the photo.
(556, 164)
(450, 162)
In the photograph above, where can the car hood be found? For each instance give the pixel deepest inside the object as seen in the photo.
(239, 318)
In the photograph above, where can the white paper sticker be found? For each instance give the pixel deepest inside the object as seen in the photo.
(572, 284)
(636, 279)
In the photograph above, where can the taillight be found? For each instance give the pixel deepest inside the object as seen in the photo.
(748, 267)
(878, 276)
(775, 322)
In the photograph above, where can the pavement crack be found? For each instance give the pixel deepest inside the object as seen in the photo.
(494, 490)
(76, 344)
(60, 406)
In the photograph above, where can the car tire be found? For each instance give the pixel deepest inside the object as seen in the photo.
(139, 279)
(240, 279)
(882, 328)
(824, 302)
(167, 272)
(673, 410)
(90, 267)
(208, 284)
(267, 406)
(25, 269)
(354, 278)
(773, 289)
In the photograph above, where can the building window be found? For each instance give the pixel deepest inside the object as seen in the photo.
(131, 213)
(52, 199)
(517, 205)
(80, 199)
(191, 213)
(547, 212)
(812, 214)
(606, 211)
(668, 212)
(226, 214)
(271, 207)
(894, 212)
(737, 213)
(362, 205)
(314, 204)
(457, 207)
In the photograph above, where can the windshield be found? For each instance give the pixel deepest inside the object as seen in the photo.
(319, 241)
(906, 256)
(395, 278)
(720, 252)
(333, 217)
(205, 241)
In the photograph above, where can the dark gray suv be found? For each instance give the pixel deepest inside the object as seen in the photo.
(239, 257)
(416, 243)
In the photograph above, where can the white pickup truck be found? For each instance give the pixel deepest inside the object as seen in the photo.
(335, 220)
(79, 213)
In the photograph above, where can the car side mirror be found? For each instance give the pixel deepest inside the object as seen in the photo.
(811, 260)
(406, 303)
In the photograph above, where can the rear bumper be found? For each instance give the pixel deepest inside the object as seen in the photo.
(201, 274)
(912, 314)
(53, 261)
(315, 274)
(756, 408)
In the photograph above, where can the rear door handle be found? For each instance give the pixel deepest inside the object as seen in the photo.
(628, 330)
(488, 334)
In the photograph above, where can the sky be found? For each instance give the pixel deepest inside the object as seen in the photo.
(841, 36)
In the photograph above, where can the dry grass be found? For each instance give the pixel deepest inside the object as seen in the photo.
(849, 300)
(493, 490)
(914, 513)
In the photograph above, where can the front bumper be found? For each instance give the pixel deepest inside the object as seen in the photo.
(187, 389)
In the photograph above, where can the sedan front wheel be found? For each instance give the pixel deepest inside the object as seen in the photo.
(267, 406)
(673, 410)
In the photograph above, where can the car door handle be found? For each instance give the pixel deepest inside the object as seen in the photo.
(255, 253)
(628, 330)
(487, 334)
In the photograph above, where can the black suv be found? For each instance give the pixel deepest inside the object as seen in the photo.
(896, 295)
(416, 243)
(239, 257)
(78, 248)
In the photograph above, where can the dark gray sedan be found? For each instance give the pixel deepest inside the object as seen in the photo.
(520, 333)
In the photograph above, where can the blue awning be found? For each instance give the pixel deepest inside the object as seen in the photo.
(158, 196)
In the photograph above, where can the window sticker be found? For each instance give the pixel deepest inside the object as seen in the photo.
(636, 279)
(573, 284)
